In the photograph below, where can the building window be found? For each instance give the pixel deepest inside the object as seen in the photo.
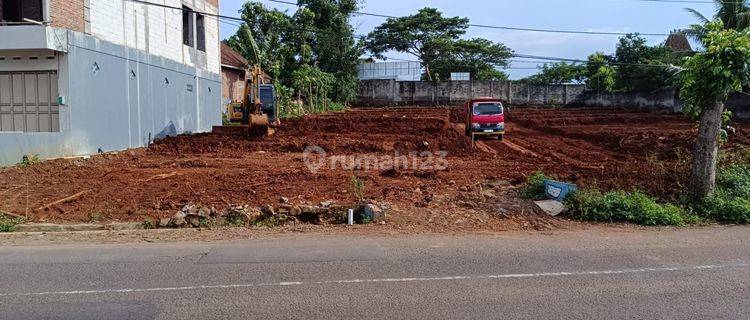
(18, 10)
(200, 32)
(187, 26)
(193, 29)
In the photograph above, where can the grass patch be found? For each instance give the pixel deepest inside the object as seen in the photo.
(731, 200)
(8, 224)
(269, 222)
(148, 224)
(535, 186)
(618, 206)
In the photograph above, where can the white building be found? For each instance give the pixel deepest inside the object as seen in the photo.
(396, 70)
(80, 76)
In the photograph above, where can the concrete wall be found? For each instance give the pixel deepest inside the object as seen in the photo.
(391, 92)
(119, 98)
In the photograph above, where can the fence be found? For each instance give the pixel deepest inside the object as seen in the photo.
(394, 93)
(390, 92)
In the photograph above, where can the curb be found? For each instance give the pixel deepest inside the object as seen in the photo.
(52, 227)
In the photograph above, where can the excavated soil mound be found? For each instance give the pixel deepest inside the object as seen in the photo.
(361, 131)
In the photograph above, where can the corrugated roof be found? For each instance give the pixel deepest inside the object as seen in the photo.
(232, 58)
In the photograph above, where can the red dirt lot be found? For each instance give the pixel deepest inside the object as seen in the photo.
(608, 149)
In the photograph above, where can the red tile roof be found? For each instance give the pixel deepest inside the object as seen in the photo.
(678, 42)
(232, 58)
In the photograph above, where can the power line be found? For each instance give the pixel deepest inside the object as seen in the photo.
(506, 27)
(546, 59)
(687, 1)
(203, 13)
(517, 55)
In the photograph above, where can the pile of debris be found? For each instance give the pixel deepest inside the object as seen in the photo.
(327, 212)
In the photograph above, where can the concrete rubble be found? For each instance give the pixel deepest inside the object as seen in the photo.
(195, 216)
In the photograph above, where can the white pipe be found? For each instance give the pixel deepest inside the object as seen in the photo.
(351, 217)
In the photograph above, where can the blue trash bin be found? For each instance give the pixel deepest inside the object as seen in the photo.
(558, 190)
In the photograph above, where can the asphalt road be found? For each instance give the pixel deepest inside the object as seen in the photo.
(655, 274)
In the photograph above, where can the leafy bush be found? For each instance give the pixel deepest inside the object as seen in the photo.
(618, 206)
(30, 160)
(535, 186)
(735, 181)
(731, 201)
(336, 107)
(725, 208)
(358, 188)
(8, 224)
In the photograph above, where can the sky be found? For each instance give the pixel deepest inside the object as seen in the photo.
(586, 15)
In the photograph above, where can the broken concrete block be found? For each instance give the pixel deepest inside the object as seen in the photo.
(178, 219)
(164, 223)
(268, 210)
(550, 207)
(373, 212)
(204, 212)
(194, 221)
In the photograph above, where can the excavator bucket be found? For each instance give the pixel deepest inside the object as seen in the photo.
(259, 128)
(259, 125)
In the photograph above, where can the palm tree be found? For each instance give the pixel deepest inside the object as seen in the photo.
(735, 14)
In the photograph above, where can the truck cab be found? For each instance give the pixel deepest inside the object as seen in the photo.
(485, 117)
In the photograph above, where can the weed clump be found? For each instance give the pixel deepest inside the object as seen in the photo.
(619, 206)
(8, 224)
(535, 186)
(731, 200)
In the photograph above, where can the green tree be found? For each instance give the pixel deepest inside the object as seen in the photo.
(599, 75)
(317, 34)
(268, 28)
(480, 57)
(734, 14)
(709, 78)
(558, 73)
(314, 86)
(426, 35)
(640, 67)
(335, 46)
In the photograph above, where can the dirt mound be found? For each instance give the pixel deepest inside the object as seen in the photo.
(360, 131)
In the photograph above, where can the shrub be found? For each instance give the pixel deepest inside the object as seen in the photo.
(29, 160)
(735, 181)
(725, 208)
(535, 187)
(618, 206)
(358, 188)
(731, 200)
(8, 224)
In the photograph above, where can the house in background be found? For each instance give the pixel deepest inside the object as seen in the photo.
(390, 70)
(233, 69)
(678, 42)
(80, 76)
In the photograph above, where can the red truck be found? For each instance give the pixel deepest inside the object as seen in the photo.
(485, 117)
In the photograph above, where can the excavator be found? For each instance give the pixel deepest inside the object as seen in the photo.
(254, 115)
